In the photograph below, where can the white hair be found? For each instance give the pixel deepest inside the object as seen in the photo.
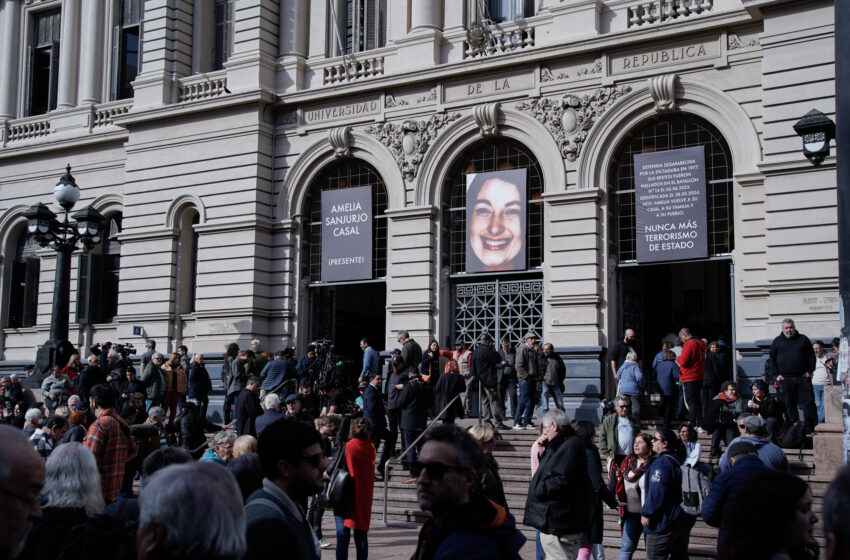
(156, 411)
(631, 356)
(33, 414)
(557, 417)
(223, 437)
(13, 377)
(73, 480)
(173, 496)
(272, 401)
(255, 341)
(73, 400)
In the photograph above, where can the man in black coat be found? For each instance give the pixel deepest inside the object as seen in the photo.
(792, 362)
(482, 366)
(559, 494)
(248, 408)
(508, 380)
(411, 352)
(374, 409)
(415, 400)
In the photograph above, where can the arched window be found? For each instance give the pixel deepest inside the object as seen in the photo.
(97, 279)
(23, 289)
(187, 261)
(670, 133)
(345, 174)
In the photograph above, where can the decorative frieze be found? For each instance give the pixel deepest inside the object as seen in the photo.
(408, 141)
(663, 91)
(734, 42)
(486, 119)
(570, 117)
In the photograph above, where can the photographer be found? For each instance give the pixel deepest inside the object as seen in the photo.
(308, 366)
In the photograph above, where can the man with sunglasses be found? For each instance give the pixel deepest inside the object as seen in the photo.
(293, 466)
(464, 522)
(619, 431)
(753, 430)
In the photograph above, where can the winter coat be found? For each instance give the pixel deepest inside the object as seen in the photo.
(448, 387)
(724, 488)
(200, 384)
(373, 408)
(599, 494)
(489, 483)
(662, 502)
(411, 353)
(236, 376)
(416, 398)
(154, 381)
(722, 413)
(58, 387)
(555, 371)
(667, 374)
(608, 436)
(527, 365)
(360, 461)
(791, 357)
(692, 361)
(483, 364)
(176, 380)
(631, 379)
(770, 454)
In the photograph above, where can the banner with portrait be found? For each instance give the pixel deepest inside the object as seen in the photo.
(347, 234)
(496, 220)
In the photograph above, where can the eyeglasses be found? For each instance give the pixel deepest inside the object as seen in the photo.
(653, 438)
(742, 426)
(31, 502)
(313, 460)
(624, 406)
(436, 471)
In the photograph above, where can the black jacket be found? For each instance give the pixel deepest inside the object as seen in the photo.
(790, 357)
(448, 387)
(411, 352)
(559, 494)
(416, 398)
(247, 410)
(482, 365)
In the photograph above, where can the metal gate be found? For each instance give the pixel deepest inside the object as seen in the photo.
(502, 309)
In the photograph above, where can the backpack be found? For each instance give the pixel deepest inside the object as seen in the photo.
(792, 436)
(695, 488)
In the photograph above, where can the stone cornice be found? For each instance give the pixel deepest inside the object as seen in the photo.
(573, 196)
(790, 167)
(64, 142)
(411, 213)
(240, 225)
(181, 109)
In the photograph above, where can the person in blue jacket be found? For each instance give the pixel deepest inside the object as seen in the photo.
(667, 376)
(666, 525)
(631, 383)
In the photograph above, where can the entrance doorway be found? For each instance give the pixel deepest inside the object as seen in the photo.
(656, 300)
(347, 313)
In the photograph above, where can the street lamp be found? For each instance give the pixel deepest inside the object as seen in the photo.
(62, 237)
(817, 130)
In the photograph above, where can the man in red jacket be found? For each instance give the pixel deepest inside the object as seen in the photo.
(691, 371)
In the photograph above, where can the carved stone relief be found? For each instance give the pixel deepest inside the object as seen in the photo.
(409, 140)
(486, 119)
(663, 91)
(569, 118)
(338, 137)
(733, 42)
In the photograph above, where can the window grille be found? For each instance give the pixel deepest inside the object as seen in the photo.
(501, 309)
(669, 134)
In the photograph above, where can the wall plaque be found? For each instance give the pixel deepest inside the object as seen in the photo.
(491, 85)
(673, 54)
(340, 111)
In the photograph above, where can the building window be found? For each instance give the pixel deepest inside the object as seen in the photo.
(357, 25)
(126, 48)
(508, 10)
(481, 158)
(348, 173)
(187, 261)
(669, 134)
(23, 293)
(97, 279)
(222, 33)
(44, 63)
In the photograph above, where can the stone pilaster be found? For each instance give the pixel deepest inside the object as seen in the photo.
(91, 53)
(9, 59)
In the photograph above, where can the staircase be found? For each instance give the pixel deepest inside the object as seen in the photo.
(513, 453)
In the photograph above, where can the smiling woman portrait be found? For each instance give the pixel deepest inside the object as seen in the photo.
(495, 215)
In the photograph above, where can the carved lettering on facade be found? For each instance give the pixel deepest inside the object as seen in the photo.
(408, 141)
(679, 54)
(492, 86)
(334, 112)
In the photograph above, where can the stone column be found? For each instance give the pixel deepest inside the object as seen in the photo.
(91, 52)
(424, 14)
(295, 27)
(69, 54)
(9, 59)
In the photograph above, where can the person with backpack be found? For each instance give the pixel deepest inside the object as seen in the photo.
(753, 430)
(667, 526)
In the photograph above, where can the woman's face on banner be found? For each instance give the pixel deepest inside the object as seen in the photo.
(495, 228)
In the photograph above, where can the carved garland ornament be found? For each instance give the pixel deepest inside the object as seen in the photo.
(409, 140)
(570, 118)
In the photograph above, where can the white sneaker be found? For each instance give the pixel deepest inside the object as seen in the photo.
(518, 427)
(324, 543)
(700, 430)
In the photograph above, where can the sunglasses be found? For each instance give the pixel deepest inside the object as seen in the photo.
(624, 406)
(436, 471)
(313, 460)
(741, 426)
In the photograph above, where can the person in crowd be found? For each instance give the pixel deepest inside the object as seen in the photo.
(771, 518)
(430, 368)
(374, 409)
(450, 385)
(191, 426)
(719, 418)
(129, 387)
(56, 388)
(629, 489)
(370, 360)
(718, 369)
(147, 355)
(692, 371)
(665, 345)
(154, 381)
(229, 367)
(18, 416)
(618, 431)
(185, 359)
(667, 377)
(792, 361)
(169, 503)
(753, 430)
(77, 429)
(488, 481)
(278, 375)
(309, 400)
(667, 526)
(554, 372)
(261, 358)
(836, 512)
(463, 523)
(272, 413)
(70, 495)
(357, 514)
(293, 467)
(528, 373)
(73, 368)
(176, 385)
(248, 408)
(586, 432)
(221, 448)
(243, 445)
(559, 493)
(766, 406)
(631, 383)
(327, 427)
(294, 409)
(22, 475)
(482, 367)
(411, 352)
(620, 349)
(91, 375)
(744, 463)
(49, 435)
(200, 384)
(35, 419)
(248, 473)
(690, 441)
(156, 418)
(109, 439)
(508, 382)
(415, 400)
(397, 377)
(822, 376)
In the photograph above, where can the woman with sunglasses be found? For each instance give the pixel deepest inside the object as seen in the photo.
(629, 491)
(666, 525)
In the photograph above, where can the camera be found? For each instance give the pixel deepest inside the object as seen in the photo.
(323, 346)
(124, 349)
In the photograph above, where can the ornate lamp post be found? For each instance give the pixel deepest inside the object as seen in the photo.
(62, 237)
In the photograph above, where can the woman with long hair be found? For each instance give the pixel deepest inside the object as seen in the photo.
(73, 368)
(357, 514)
(176, 385)
(629, 492)
(771, 519)
(429, 368)
(488, 482)
(450, 385)
(586, 432)
(71, 494)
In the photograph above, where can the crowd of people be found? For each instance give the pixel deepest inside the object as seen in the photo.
(298, 438)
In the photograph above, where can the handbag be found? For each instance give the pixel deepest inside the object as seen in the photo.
(339, 485)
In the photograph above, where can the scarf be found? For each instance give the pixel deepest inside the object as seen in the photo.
(632, 471)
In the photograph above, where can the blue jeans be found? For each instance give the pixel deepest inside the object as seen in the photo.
(409, 437)
(525, 406)
(539, 549)
(819, 402)
(557, 395)
(343, 537)
(632, 530)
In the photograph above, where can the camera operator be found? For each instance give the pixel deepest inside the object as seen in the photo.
(308, 366)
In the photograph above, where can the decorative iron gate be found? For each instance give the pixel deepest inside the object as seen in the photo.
(502, 309)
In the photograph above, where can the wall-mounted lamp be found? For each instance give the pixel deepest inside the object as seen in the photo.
(817, 130)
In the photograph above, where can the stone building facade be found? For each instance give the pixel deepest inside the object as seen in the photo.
(206, 131)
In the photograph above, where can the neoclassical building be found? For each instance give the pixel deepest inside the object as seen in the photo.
(208, 133)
